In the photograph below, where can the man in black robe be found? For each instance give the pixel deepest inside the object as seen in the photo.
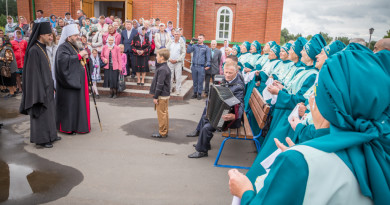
(38, 88)
(72, 96)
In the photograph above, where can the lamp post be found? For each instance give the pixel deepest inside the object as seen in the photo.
(371, 30)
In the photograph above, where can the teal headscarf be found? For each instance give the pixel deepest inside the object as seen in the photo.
(271, 43)
(287, 47)
(314, 46)
(298, 46)
(359, 116)
(257, 45)
(334, 47)
(276, 50)
(357, 46)
(384, 56)
(238, 49)
(247, 45)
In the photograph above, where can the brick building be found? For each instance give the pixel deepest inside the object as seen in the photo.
(235, 20)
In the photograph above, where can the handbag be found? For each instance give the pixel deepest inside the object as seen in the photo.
(5, 71)
(122, 83)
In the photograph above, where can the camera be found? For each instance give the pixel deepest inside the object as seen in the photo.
(194, 39)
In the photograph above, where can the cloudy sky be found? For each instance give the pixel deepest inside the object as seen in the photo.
(351, 18)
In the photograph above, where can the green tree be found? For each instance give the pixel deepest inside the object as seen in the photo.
(387, 34)
(12, 11)
(309, 37)
(286, 36)
(327, 38)
(343, 39)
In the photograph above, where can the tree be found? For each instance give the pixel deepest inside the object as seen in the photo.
(309, 37)
(286, 36)
(387, 34)
(12, 11)
(343, 39)
(326, 36)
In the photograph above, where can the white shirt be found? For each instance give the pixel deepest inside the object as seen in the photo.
(175, 50)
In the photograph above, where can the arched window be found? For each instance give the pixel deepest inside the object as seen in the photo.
(224, 23)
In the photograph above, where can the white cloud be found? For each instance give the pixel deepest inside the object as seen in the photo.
(337, 17)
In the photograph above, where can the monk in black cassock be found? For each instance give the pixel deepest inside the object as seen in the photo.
(72, 96)
(38, 88)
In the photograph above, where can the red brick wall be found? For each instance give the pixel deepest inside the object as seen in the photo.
(252, 19)
(274, 20)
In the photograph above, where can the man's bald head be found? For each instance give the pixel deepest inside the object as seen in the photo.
(383, 44)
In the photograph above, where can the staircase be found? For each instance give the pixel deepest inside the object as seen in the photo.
(134, 90)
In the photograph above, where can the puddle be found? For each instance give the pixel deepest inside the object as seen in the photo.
(26, 178)
(19, 181)
(178, 129)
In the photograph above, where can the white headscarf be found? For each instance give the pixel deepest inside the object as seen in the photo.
(67, 31)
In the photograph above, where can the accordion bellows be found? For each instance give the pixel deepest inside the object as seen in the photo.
(221, 101)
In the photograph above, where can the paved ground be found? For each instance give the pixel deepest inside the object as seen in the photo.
(122, 164)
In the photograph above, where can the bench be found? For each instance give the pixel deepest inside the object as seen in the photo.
(260, 111)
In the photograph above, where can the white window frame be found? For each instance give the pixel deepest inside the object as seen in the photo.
(230, 23)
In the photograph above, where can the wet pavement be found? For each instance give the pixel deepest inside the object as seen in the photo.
(120, 165)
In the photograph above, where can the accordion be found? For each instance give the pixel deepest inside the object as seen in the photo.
(221, 102)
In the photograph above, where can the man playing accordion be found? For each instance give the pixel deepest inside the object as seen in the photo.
(234, 81)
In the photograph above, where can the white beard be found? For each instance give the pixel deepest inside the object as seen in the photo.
(77, 44)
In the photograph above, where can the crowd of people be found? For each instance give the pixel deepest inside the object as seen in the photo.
(131, 45)
(328, 102)
(324, 104)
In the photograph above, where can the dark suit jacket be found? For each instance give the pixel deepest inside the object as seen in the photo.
(237, 86)
(127, 41)
(215, 61)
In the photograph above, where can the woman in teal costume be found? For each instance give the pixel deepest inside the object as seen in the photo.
(273, 56)
(290, 97)
(245, 54)
(255, 50)
(268, 68)
(264, 58)
(286, 64)
(359, 117)
(304, 132)
(295, 56)
(236, 51)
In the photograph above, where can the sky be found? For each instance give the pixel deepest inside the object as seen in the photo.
(351, 18)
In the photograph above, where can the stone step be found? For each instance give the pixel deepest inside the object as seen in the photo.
(186, 91)
(148, 79)
(133, 85)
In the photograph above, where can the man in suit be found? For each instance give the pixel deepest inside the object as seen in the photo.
(127, 36)
(235, 83)
(215, 62)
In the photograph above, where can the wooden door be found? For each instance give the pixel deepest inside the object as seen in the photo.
(87, 7)
(129, 10)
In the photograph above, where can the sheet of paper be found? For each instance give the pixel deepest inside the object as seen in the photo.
(248, 76)
(269, 81)
(294, 113)
(236, 201)
(267, 162)
(267, 95)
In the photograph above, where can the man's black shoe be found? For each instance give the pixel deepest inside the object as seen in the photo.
(157, 135)
(199, 97)
(46, 145)
(195, 133)
(198, 155)
(194, 96)
(208, 148)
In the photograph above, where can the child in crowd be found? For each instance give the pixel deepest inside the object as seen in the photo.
(95, 71)
(124, 59)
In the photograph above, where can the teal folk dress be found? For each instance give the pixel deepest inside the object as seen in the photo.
(244, 58)
(280, 128)
(288, 180)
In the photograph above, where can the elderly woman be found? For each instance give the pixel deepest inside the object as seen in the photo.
(96, 39)
(10, 26)
(245, 54)
(112, 32)
(264, 58)
(53, 20)
(102, 26)
(140, 46)
(111, 56)
(349, 164)
(8, 68)
(86, 28)
(162, 39)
